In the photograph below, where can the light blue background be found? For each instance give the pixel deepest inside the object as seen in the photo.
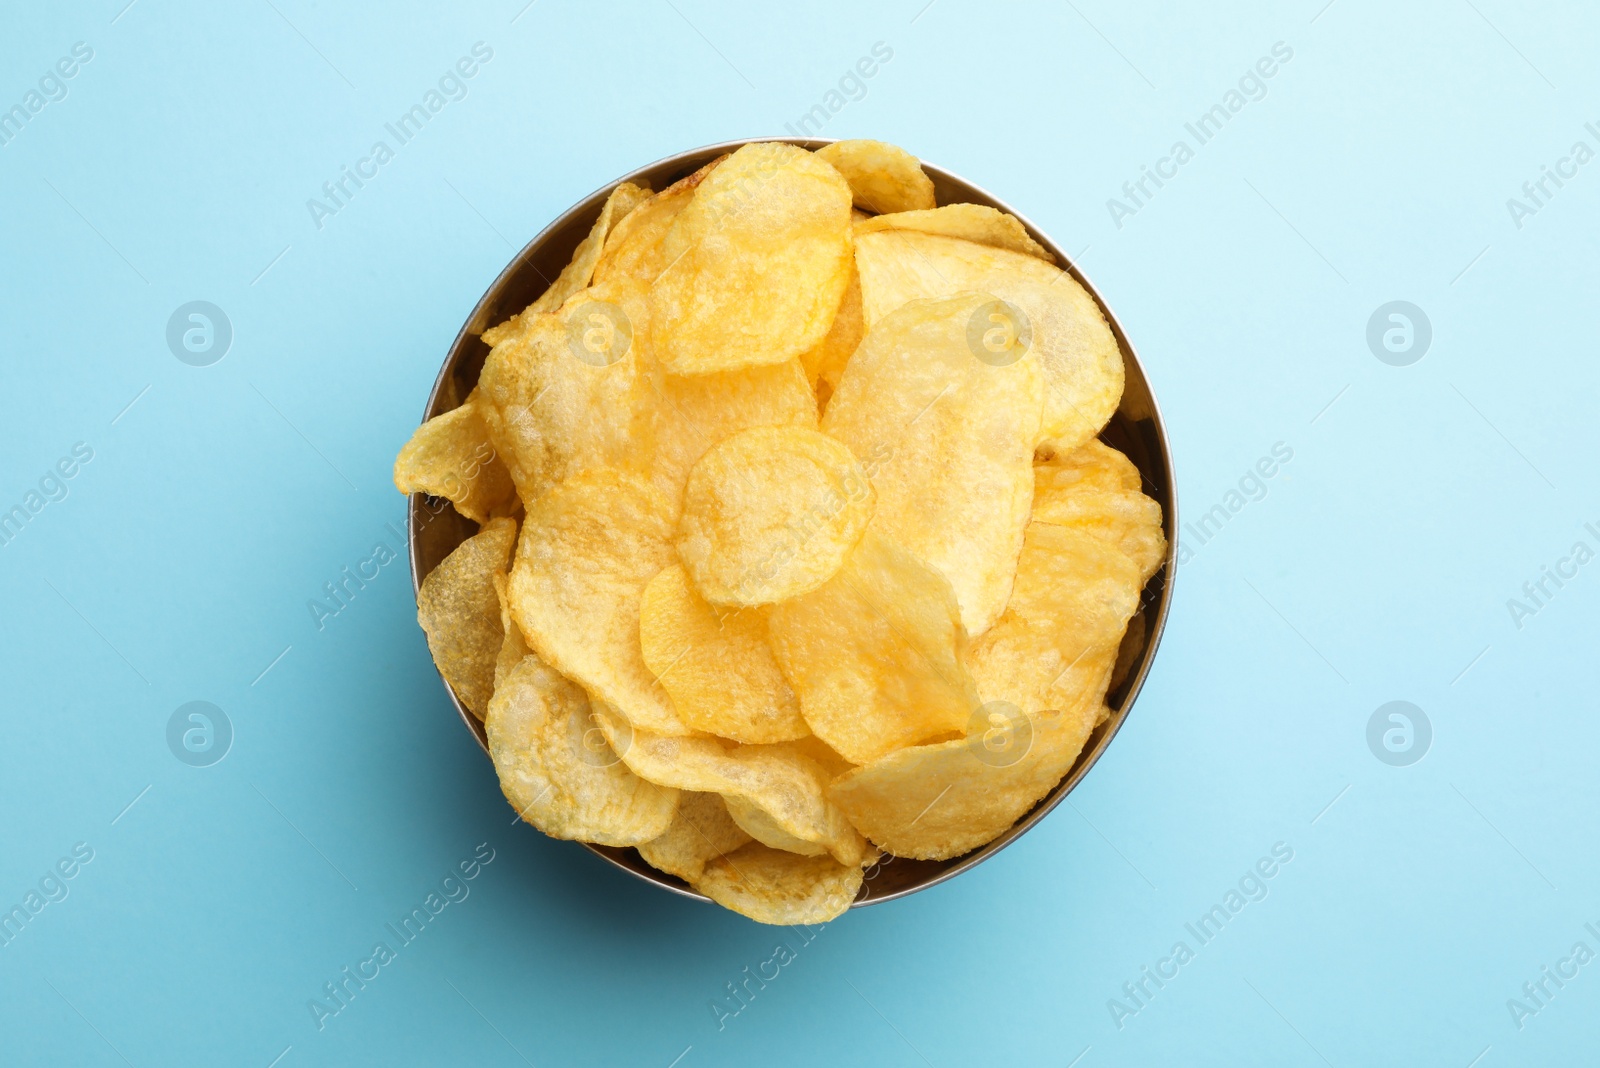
(1377, 567)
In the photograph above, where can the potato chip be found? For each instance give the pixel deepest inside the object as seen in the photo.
(770, 513)
(955, 424)
(771, 886)
(1075, 348)
(450, 456)
(588, 549)
(633, 249)
(934, 802)
(684, 415)
(882, 178)
(716, 664)
(758, 825)
(824, 363)
(874, 654)
(701, 832)
(578, 272)
(756, 264)
(557, 396)
(557, 770)
(778, 780)
(512, 646)
(977, 223)
(460, 613)
(1096, 489)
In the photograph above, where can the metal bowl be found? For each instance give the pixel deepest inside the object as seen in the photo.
(1136, 429)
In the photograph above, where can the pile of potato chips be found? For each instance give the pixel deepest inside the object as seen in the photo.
(797, 545)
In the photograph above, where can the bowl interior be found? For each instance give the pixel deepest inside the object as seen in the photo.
(1136, 429)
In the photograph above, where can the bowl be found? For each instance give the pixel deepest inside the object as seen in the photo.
(1136, 429)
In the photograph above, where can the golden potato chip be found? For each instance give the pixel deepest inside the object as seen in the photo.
(557, 396)
(824, 362)
(956, 424)
(756, 263)
(450, 456)
(512, 646)
(716, 664)
(771, 886)
(770, 513)
(1061, 323)
(633, 249)
(758, 825)
(882, 177)
(588, 549)
(1096, 489)
(460, 613)
(977, 223)
(933, 802)
(684, 415)
(700, 832)
(557, 770)
(784, 785)
(1128, 650)
(577, 273)
(874, 654)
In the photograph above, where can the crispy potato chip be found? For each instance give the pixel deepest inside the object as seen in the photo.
(977, 223)
(758, 825)
(770, 513)
(685, 415)
(756, 264)
(1057, 642)
(450, 456)
(588, 549)
(1062, 324)
(1128, 650)
(954, 424)
(512, 647)
(701, 832)
(557, 770)
(716, 664)
(557, 396)
(824, 362)
(577, 273)
(460, 613)
(933, 802)
(633, 249)
(874, 654)
(882, 177)
(772, 886)
(784, 785)
(1096, 489)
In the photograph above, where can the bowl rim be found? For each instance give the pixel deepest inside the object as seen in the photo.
(1099, 740)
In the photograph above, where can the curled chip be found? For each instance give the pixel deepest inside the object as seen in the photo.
(770, 513)
(1096, 489)
(577, 273)
(633, 248)
(716, 664)
(933, 802)
(450, 456)
(772, 886)
(882, 178)
(874, 654)
(756, 263)
(1058, 638)
(1080, 359)
(701, 832)
(957, 422)
(780, 782)
(977, 223)
(512, 647)
(557, 396)
(825, 362)
(588, 549)
(684, 415)
(555, 767)
(460, 613)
